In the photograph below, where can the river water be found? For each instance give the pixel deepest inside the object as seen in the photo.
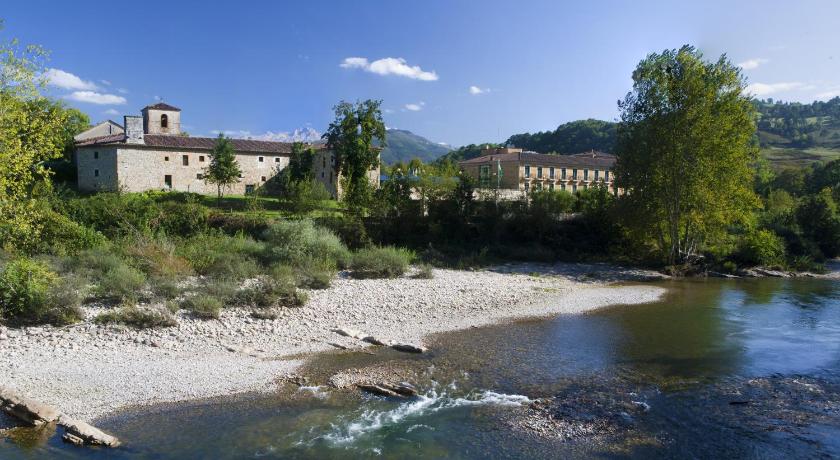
(717, 368)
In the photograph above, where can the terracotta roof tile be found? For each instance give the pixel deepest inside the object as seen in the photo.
(195, 143)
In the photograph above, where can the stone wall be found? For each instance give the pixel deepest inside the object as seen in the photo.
(323, 169)
(141, 169)
(97, 168)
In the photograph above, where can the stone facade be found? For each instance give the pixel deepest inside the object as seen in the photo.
(323, 169)
(106, 128)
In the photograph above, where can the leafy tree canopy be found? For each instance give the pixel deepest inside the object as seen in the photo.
(223, 169)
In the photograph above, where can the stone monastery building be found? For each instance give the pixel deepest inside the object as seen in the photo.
(150, 152)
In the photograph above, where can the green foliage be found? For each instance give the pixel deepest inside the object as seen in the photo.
(301, 242)
(684, 152)
(223, 170)
(300, 163)
(30, 293)
(761, 247)
(183, 219)
(424, 272)
(138, 317)
(351, 137)
(380, 262)
(122, 283)
(305, 196)
(234, 224)
(222, 257)
(818, 217)
(350, 229)
(203, 306)
(62, 236)
(573, 137)
(799, 125)
(268, 291)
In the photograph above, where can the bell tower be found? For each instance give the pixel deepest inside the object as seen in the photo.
(161, 118)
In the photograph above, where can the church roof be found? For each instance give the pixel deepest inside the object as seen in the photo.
(163, 141)
(162, 106)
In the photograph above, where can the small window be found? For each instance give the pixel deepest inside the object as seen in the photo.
(165, 158)
(562, 186)
(164, 121)
(574, 174)
(527, 172)
(185, 160)
(563, 173)
(201, 158)
(322, 174)
(95, 155)
(574, 188)
(277, 159)
(199, 176)
(262, 178)
(167, 181)
(551, 174)
(527, 186)
(95, 173)
(249, 189)
(551, 186)
(261, 159)
(585, 174)
(539, 172)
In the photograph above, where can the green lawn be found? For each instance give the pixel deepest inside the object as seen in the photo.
(249, 204)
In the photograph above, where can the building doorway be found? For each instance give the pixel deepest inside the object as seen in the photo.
(167, 181)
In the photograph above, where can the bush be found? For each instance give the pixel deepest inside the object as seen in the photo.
(115, 214)
(424, 272)
(761, 247)
(140, 318)
(268, 292)
(311, 276)
(350, 229)
(296, 242)
(384, 262)
(222, 256)
(122, 283)
(30, 293)
(305, 196)
(62, 236)
(165, 289)
(203, 306)
(183, 219)
(156, 257)
(236, 224)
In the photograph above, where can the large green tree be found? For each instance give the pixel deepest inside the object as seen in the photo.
(684, 152)
(357, 128)
(300, 162)
(32, 131)
(223, 169)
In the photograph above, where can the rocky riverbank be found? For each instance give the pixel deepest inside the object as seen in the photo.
(88, 370)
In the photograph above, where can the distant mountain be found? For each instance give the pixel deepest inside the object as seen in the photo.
(796, 134)
(573, 137)
(404, 145)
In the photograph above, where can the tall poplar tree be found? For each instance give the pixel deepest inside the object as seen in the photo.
(223, 169)
(352, 137)
(684, 152)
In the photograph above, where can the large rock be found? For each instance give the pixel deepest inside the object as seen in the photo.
(79, 432)
(27, 410)
(389, 389)
(408, 348)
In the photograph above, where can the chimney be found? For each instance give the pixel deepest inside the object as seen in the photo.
(133, 129)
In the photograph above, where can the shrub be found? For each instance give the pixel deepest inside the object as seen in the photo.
(312, 276)
(222, 256)
(203, 306)
(294, 242)
(165, 289)
(350, 229)
(122, 283)
(380, 262)
(761, 247)
(305, 196)
(115, 214)
(137, 317)
(268, 292)
(424, 272)
(183, 219)
(30, 293)
(236, 224)
(156, 257)
(62, 236)
(265, 313)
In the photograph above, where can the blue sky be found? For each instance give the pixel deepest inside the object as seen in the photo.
(453, 71)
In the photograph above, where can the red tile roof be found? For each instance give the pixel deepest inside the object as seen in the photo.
(194, 143)
(586, 159)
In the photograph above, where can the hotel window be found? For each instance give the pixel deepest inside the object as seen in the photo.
(185, 160)
(563, 173)
(551, 186)
(261, 159)
(201, 158)
(563, 186)
(596, 174)
(539, 172)
(95, 155)
(585, 174)
(95, 173)
(527, 186)
(527, 172)
(551, 174)
(539, 185)
(574, 174)
(574, 188)
(607, 175)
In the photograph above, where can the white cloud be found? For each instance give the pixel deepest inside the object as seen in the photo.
(415, 107)
(389, 66)
(93, 97)
(475, 90)
(298, 135)
(751, 64)
(766, 89)
(830, 94)
(122, 90)
(105, 82)
(111, 112)
(66, 80)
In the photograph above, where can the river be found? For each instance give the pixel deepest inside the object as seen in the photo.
(717, 368)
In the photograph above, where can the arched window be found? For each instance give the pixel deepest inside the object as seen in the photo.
(164, 121)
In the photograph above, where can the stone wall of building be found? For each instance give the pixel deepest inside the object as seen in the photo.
(141, 169)
(152, 121)
(323, 169)
(97, 167)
